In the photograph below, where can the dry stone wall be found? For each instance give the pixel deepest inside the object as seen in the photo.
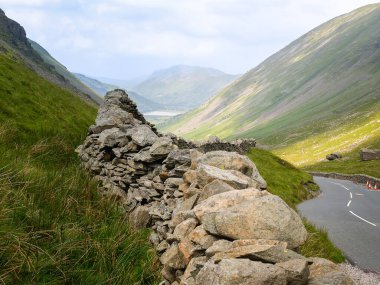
(212, 220)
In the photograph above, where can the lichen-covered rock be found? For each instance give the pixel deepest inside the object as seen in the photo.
(240, 272)
(232, 161)
(297, 271)
(172, 259)
(251, 214)
(206, 174)
(213, 188)
(264, 253)
(323, 271)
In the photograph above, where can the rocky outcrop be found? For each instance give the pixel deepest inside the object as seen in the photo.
(212, 220)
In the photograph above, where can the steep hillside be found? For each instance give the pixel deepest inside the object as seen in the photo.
(144, 104)
(183, 87)
(326, 81)
(62, 70)
(55, 228)
(13, 37)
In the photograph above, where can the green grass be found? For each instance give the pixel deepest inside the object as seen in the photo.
(54, 226)
(293, 186)
(348, 136)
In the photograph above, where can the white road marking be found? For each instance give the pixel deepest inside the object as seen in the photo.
(372, 224)
(348, 204)
(341, 185)
(359, 194)
(350, 195)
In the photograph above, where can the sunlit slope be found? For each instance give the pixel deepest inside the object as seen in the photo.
(316, 83)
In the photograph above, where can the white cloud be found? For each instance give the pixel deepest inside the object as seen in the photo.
(230, 34)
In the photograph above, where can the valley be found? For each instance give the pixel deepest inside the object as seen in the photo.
(154, 180)
(317, 95)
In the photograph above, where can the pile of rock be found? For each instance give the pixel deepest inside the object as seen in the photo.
(213, 221)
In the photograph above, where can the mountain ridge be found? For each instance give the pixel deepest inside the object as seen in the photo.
(183, 86)
(13, 38)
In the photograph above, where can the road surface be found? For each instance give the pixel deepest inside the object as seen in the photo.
(351, 215)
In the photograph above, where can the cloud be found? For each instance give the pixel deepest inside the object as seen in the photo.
(233, 35)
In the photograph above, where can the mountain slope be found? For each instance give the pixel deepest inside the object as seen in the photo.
(143, 104)
(330, 76)
(183, 87)
(13, 37)
(62, 70)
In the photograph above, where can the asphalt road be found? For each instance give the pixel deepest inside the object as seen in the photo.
(351, 215)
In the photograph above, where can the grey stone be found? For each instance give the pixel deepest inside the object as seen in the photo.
(232, 161)
(140, 217)
(171, 258)
(240, 272)
(213, 188)
(297, 271)
(218, 246)
(251, 214)
(263, 253)
(323, 272)
(162, 147)
(206, 174)
(184, 229)
(142, 135)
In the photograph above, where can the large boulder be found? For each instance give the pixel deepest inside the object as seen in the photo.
(206, 174)
(251, 214)
(232, 161)
(240, 272)
(225, 200)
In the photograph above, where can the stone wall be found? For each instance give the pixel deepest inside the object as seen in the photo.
(356, 178)
(369, 154)
(212, 220)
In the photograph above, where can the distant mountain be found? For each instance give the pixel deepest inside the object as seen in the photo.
(144, 104)
(326, 81)
(127, 84)
(183, 87)
(13, 39)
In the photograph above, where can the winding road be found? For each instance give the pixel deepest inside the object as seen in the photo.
(351, 215)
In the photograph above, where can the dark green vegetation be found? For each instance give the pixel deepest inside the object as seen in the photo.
(54, 226)
(318, 95)
(294, 186)
(101, 88)
(183, 87)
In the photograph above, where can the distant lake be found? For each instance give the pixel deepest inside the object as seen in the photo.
(166, 113)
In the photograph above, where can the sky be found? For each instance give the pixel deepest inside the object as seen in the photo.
(125, 39)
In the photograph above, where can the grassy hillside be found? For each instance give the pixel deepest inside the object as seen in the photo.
(361, 130)
(183, 87)
(327, 81)
(54, 227)
(291, 185)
